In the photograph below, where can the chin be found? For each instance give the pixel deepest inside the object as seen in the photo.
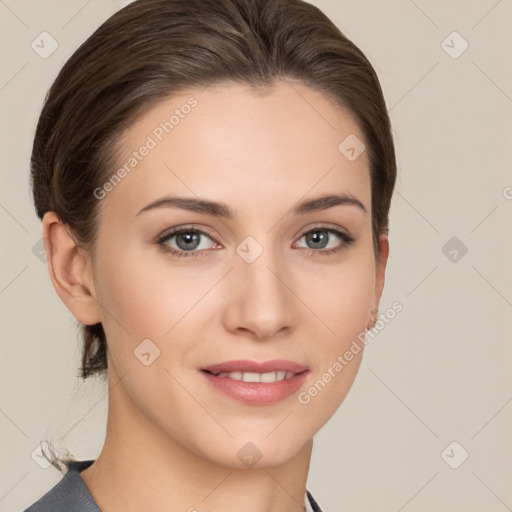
(255, 453)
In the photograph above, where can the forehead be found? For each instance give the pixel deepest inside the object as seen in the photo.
(244, 144)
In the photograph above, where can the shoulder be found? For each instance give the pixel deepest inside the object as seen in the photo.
(70, 494)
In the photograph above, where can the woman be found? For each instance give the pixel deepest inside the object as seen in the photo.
(214, 180)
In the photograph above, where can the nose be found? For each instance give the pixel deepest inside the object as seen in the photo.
(260, 300)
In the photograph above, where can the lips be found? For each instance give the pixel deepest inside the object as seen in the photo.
(275, 365)
(256, 382)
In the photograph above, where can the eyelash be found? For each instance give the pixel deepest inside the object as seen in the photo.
(347, 239)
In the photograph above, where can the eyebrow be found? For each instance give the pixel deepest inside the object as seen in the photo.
(222, 210)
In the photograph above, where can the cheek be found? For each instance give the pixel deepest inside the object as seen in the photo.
(340, 296)
(140, 303)
(341, 302)
(141, 297)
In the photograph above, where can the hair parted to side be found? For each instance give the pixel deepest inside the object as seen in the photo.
(152, 49)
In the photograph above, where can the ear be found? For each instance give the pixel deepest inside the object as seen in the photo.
(70, 270)
(380, 270)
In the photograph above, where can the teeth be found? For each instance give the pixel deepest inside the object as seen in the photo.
(257, 377)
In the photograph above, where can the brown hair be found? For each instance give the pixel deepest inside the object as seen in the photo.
(152, 49)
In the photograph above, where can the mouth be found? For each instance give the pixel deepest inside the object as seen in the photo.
(256, 382)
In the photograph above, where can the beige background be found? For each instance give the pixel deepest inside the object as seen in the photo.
(439, 372)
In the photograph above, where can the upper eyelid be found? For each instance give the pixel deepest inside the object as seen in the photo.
(176, 231)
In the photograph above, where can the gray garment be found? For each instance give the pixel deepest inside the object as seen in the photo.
(72, 495)
(69, 495)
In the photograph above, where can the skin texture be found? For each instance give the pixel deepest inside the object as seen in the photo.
(172, 439)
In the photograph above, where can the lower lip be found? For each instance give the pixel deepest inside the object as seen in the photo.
(257, 393)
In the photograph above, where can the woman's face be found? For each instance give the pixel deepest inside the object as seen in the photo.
(269, 282)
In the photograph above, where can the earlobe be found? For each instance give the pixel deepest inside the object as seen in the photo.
(69, 271)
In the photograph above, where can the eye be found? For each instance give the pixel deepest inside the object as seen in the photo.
(321, 236)
(186, 241)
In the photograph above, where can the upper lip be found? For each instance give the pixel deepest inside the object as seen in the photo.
(256, 366)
